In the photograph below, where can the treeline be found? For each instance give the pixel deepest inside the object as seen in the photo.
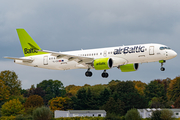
(116, 97)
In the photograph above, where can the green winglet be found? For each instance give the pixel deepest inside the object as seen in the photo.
(29, 46)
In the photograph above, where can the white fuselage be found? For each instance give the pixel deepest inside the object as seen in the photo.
(121, 55)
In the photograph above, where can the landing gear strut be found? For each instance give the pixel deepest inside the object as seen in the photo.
(88, 73)
(162, 68)
(104, 74)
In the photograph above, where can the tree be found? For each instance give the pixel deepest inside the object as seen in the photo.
(34, 91)
(11, 81)
(140, 86)
(52, 88)
(156, 103)
(155, 89)
(42, 113)
(80, 101)
(174, 88)
(4, 92)
(156, 115)
(60, 103)
(71, 90)
(133, 114)
(166, 114)
(177, 103)
(126, 92)
(13, 107)
(104, 96)
(34, 101)
(114, 107)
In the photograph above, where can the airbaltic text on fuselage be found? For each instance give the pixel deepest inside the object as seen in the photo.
(125, 50)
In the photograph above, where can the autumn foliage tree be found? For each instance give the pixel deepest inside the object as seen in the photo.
(4, 92)
(60, 103)
(34, 101)
(11, 81)
(174, 88)
(71, 90)
(140, 86)
(12, 107)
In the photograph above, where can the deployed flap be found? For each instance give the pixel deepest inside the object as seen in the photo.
(23, 59)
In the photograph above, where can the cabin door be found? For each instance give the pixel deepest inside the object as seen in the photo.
(151, 50)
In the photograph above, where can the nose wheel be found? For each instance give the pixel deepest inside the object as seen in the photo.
(88, 73)
(104, 74)
(162, 63)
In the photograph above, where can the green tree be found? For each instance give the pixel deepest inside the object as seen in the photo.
(12, 107)
(127, 93)
(156, 103)
(156, 115)
(52, 88)
(11, 81)
(133, 114)
(114, 107)
(80, 101)
(33, 102)
(155, 89)
(174, 88)
(42, 113)
(103, 97)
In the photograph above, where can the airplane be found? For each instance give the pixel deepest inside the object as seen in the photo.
(125, 58)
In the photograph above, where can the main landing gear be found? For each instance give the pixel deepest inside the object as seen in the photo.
(88, 73)
(162, 68)
(104, 74)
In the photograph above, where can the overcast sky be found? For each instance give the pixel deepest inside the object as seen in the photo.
(66, 25)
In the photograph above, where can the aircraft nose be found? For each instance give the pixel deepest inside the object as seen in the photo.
(172, 54)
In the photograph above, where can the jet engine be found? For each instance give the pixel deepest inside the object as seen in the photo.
(103, 63)
(129, 67)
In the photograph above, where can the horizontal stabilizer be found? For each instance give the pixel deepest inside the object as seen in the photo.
(23, 59)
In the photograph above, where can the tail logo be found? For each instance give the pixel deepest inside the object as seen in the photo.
(29, 51)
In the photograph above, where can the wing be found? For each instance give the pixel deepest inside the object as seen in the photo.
(23, 59)
(79, 59)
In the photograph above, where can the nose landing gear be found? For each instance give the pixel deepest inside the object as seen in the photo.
(162, 68)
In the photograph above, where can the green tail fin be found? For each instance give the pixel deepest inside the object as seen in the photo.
(29, 46)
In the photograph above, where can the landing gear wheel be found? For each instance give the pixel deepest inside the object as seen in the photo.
(104, 74)
(88, 73)
(162, 69)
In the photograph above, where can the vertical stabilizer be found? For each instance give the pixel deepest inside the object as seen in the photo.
(29, 46)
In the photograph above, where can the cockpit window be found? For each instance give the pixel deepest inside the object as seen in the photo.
(163, 48)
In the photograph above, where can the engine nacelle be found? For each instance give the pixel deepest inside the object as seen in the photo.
(103, 63)
(129, 67)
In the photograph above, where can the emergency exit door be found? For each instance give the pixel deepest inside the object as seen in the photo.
(45, 60)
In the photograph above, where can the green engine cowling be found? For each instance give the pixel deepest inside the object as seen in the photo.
(103, 63)
(129, 67)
